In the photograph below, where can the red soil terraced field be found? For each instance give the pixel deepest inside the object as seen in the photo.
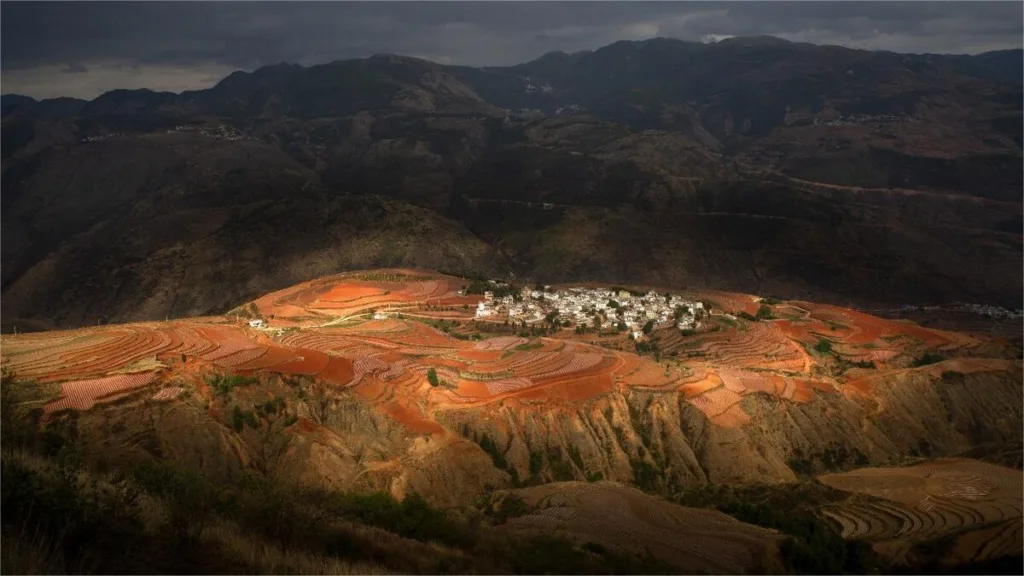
(387, 361)
(946, 496)
(702, 541)
(757, 344)
(318, 301)
(83, 394)
(862, 337)
(731, 302)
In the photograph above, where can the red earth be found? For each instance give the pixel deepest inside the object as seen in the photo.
(323, 329)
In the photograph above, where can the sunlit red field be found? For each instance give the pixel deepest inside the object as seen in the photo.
(324, 299)
(386, 361)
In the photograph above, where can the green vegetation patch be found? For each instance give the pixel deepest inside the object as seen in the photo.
(224, 383)
(928, 358)
(533, 345)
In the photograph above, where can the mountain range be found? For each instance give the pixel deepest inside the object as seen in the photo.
(751, 164)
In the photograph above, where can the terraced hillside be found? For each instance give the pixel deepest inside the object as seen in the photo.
(698, 541)
(976, 503)
(381, 398)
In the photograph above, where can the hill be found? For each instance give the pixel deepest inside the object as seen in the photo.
(755, 165)
(384, 381)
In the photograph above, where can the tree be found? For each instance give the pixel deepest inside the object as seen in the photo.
(649, 327)
(432, 377)
(621, 326)
(765, 311)
(823, 346)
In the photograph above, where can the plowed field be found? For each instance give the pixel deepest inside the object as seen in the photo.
(947, 496)
(704, 541)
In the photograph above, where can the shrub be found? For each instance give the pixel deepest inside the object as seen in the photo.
(953, 377)
(646, 476)
(649, 327)
(491, 448)
(432, 377)
(412, 518)
(536, 344)
(561, 471)
(764, 312)
(223, 384)
(511, 506)
(536, 462)
(928, 358)
(747, 316)
(823, 346)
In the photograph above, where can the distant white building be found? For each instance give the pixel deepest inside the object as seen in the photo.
(256, 323)
(483, 310)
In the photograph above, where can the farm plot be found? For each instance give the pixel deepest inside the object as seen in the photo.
(650, 375)
(106, 350)
(350, 294)
(761, 345)
(731, 302)
(84, 394)
(689, 539)
(928, 500)
(169, 393)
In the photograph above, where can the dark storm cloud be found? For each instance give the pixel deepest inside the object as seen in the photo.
(183, 45)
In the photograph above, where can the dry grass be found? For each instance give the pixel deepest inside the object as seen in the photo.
(265, 558)
(30, 554)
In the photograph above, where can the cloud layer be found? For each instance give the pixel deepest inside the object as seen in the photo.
(83, 48)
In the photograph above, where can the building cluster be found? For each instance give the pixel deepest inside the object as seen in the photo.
(589, 306)
(991, 311)
(864, 119)
(532, 88)
(101, 137)
(567, 110)
(524, 114)
(219, 131)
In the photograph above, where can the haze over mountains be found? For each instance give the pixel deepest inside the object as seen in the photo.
(751, 164)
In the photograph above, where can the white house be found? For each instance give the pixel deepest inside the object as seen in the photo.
(482, 310)
(257, 323)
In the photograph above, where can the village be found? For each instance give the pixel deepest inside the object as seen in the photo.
(595, 308)
(865, 119)
(219, 131)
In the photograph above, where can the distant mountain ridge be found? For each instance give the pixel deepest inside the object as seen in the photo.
(757, 165)
(997, 65)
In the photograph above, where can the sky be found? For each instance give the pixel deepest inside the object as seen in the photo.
(82, 49)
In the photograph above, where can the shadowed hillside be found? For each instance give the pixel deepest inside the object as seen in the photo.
(758, 165)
